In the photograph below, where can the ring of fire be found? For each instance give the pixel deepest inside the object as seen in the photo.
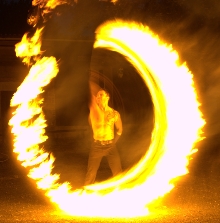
(175, 105)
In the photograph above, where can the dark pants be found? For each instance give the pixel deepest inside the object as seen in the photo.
(96, 154)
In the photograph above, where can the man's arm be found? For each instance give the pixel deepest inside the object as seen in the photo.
(95, 112)
(118, 125)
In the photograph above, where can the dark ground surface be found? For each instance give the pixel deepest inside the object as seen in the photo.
(195, 198)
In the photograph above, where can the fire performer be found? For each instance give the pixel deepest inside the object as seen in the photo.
(103, 120)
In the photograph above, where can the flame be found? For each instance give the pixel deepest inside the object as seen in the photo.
(29, 48)
(114, 1)
(47, 6)
(177, 127)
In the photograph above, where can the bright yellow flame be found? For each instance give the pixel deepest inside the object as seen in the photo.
(54, 3)
(114, 1)
(48, 5)
(177, 127)
(29, 47)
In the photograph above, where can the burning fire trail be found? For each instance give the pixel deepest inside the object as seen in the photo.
(173, 138)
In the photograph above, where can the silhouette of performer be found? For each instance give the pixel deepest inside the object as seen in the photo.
(103, 121)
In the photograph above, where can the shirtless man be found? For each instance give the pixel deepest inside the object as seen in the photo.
(103, 119)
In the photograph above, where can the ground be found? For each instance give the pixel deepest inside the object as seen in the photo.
(195, 198)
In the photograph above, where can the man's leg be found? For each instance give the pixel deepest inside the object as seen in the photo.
(95, 157)
(114, 161)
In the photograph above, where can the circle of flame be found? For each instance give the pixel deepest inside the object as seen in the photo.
(177, 127)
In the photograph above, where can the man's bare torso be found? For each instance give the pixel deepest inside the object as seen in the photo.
(103, 118)
(102, 123)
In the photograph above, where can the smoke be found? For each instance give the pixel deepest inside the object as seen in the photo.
(192, 28)
(196, 38)
(198, 43)
(206, 9)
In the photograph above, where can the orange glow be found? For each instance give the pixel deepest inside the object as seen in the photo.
(177, 127)
(54, 3)
(29, 47)
(48, 5)
(114, 1)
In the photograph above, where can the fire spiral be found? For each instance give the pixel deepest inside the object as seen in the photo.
(177, 124)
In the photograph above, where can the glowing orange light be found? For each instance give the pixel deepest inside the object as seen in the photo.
(175, 101)
(29, 47)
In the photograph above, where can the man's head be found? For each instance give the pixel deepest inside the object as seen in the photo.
(102, 97)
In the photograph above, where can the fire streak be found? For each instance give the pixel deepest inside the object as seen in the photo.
(177, 127)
